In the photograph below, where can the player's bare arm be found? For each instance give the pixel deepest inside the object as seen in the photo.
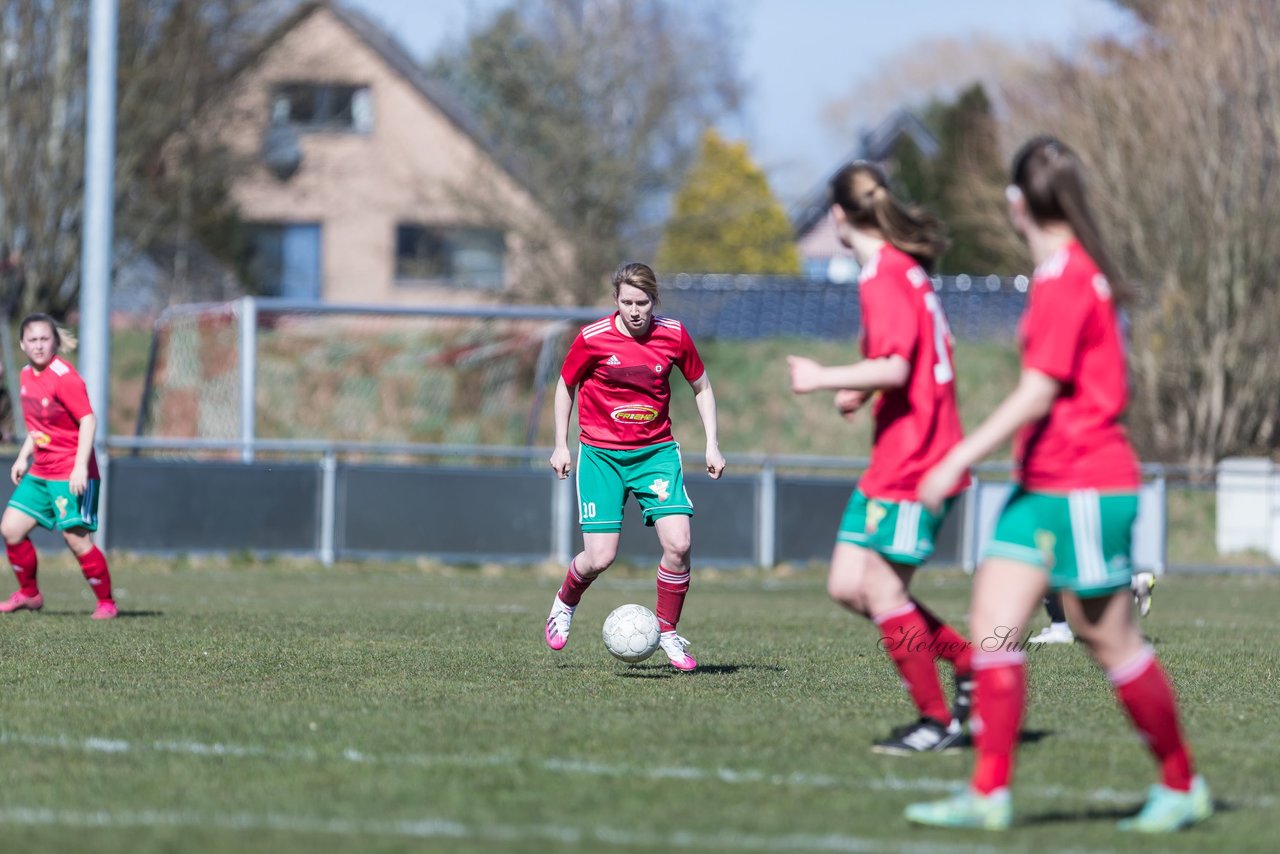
(867, 375)
(705, 398)
(79, 479)
(849, 400)
(560, 457)
(20, 465)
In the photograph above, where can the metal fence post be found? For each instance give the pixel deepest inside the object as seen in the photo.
(562, 521)
(767, 516)
(248, 374)
(969, 533)
(328, 505)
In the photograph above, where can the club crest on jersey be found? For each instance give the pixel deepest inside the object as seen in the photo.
(634, 413)
(612, 361)
(657, 369)
(41, 439)
(661, 488)
(1045, 541)
(875, 514)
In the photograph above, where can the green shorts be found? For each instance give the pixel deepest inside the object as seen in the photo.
(1082, 538)
(52, 505)
(605, 478)
(901, 531)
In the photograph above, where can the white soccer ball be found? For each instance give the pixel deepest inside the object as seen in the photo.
(631, 633)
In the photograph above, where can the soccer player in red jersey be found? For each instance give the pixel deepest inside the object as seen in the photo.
(620, 366)
(885, 533)
(1068, 524)
(59, 490)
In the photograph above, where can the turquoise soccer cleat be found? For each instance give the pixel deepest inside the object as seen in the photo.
(1167, 810)
(966, 809)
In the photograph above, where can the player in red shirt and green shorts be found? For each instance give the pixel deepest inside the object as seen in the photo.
(1068, 524)
(620, 367)
(886, 534)
(57, 490)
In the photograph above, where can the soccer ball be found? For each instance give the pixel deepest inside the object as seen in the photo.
(631, 633)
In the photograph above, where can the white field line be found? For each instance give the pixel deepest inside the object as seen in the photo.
(438, 828)
(684, 773)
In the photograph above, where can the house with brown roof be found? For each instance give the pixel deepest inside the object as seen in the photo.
(367, 182)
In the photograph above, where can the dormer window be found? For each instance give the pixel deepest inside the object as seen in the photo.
(322, 107)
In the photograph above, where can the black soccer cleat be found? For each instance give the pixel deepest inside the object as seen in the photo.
(924, 736)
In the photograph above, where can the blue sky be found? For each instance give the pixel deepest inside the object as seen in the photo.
(798, 56)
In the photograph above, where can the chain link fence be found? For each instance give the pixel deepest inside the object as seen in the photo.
(746, 307)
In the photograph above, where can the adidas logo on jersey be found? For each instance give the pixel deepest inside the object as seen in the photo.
(613, 360)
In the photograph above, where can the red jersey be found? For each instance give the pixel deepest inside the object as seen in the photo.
(918, 423)
(53, 402)
(626, 382)
(1070, 332)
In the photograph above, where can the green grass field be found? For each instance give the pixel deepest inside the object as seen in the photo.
(280, 707)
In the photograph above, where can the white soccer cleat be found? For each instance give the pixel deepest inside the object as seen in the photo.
(1054, 633)
(674, 646)
(558, 622)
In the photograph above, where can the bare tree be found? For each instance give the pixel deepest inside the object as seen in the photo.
(1180, 131)
(172, 55)
(598, 105)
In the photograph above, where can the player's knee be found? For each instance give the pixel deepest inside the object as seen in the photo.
(596, 560)
(12, 533)
(848, 592)
(677, 550)
(79, 542)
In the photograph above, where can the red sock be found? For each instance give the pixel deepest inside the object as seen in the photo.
(999, 698)
(672, 588)
(24, 561)
(93, 564)
(574, 585)
(904, 634)
(1144, 691)
(946, 642)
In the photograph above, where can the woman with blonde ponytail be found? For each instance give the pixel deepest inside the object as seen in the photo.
(55, 474)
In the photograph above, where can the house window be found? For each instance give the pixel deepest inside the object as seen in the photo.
(323, 106)
(467, 256)
(284, 259)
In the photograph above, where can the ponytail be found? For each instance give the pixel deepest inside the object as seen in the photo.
(861, 189)
(1051, 178)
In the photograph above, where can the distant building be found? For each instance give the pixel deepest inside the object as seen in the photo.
(370, 184)
(822, 256)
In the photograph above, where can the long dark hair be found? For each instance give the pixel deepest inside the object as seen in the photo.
(861, 189)
(1051, 179)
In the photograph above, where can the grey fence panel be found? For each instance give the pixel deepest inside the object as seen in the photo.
(167, 505)
(809, 513)
(40, 538)
(466, 514)
(724, 523)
